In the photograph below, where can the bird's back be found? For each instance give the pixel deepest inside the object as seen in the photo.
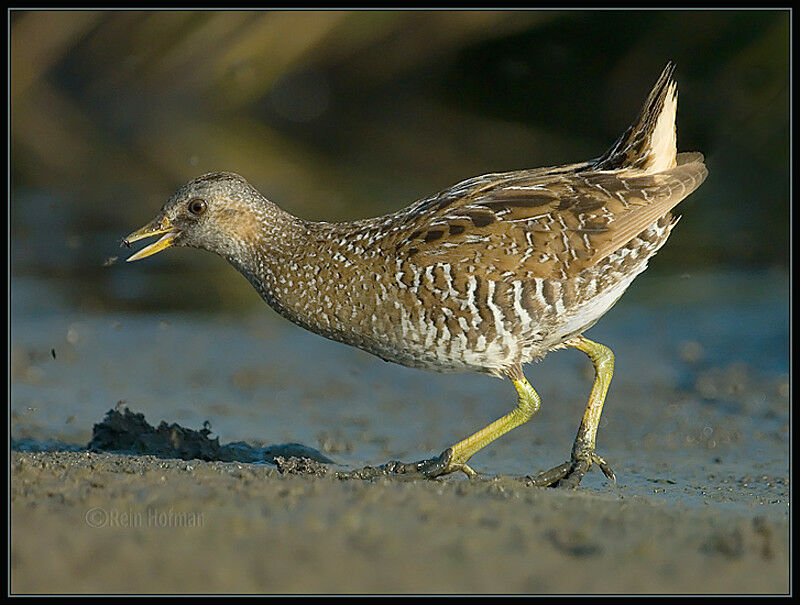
(501, 268)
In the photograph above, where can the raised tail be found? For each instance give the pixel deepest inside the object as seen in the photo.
(650, 144)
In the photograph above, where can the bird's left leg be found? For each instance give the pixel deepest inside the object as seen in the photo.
(455, 457)
(583, 455)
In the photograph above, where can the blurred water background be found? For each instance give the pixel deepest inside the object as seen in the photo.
(339, 115)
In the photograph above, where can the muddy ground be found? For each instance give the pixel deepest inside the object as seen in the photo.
(88, 522)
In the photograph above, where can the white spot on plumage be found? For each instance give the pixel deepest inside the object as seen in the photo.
(523, 315)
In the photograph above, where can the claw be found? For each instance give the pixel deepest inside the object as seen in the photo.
(430, 468)
(569, 474)
(604, 467)
(551, 477)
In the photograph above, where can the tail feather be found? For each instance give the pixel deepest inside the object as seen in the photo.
(650, 144)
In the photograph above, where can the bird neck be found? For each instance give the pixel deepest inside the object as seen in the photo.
(280, 260)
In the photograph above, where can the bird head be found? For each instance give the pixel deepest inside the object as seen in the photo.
(219, 212)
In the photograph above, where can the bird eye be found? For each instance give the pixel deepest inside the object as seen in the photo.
(197, 206)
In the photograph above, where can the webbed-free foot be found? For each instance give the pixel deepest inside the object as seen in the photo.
(570, 473)
(444, 464)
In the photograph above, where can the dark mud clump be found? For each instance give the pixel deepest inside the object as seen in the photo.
(300, 466)
(129, 432)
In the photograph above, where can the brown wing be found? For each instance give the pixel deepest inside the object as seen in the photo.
(542, 223)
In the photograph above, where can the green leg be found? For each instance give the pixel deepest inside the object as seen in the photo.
(455, 457)
(583, 456)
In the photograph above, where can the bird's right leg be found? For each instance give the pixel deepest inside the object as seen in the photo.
(570, 473)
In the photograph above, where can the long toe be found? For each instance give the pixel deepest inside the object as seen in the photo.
(430, 468)
(570, 473)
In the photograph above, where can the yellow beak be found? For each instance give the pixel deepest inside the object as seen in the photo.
(155, 227)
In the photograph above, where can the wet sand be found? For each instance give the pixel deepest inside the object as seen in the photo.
(696, 427)
(86, 522)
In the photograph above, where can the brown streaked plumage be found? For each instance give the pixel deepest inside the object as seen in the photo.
(485, 276)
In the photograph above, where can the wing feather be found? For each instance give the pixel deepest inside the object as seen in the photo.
(547, 222)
